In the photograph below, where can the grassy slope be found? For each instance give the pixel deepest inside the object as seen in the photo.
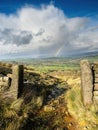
(86, 117)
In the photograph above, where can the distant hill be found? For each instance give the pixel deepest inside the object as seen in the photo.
(75, 57)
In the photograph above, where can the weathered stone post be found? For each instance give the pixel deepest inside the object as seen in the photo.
(17, 81)
(86, 82)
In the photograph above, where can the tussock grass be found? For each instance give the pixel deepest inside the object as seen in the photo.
(17, 115)
(8, 117)
(85, 116)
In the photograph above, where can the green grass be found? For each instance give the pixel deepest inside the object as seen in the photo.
(93, 58)
(57, 67)
(54, 64)
(50, 64)
(85, 116)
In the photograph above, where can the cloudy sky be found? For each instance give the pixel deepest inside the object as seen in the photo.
(34, 28)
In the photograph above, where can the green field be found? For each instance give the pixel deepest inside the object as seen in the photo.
(54, 63)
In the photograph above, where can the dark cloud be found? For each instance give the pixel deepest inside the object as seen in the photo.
(22, 38)
(40, 32)
(10, 36)
(48, 30)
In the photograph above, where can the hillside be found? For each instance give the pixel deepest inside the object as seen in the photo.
(60, 109)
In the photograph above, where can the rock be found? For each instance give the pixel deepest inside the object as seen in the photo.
(5, 83)
(95, 99)
(86, 82)
(49, 97)
(9, 75)
(95, 93)
(96, 80)
(56, 102)
(39, 101)
(48, 108)
(17, 81)
(96, 86)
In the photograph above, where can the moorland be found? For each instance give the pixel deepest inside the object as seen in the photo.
(62, 108)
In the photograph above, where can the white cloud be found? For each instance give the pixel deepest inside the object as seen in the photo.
(46, 31)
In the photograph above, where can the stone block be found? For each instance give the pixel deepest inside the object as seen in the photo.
(86, 82)
(9, 75)
(95, 99)
(1, 79)
(95, 93)
(5, 83)
(96, 87)
(17, 81)
(95, 80)
(96, 75)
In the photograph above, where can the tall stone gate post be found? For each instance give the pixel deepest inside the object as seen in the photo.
(17, 81)
(86, 82)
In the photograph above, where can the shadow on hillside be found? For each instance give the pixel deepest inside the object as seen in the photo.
(55, 92)
(33, 91)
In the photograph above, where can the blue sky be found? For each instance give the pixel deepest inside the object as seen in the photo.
(70, 7)
(48, 28)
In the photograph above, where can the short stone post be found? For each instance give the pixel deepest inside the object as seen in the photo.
(17, 81)
(86, 82)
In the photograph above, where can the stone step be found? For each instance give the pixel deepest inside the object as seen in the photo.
(95, 93)
(96, 87)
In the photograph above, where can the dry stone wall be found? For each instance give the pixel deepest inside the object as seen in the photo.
(17, 88)
(13, 83)
(5, 83)
(95, 82)
(89, 82)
